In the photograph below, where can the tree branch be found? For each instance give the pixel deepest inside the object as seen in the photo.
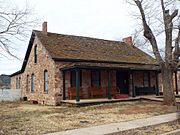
(148, 33)
(14, 23)
(177, 46)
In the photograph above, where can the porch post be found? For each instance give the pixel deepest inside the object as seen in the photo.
(176, 81)
(133, 90)
(77, 85)
(64, 85)
(109, 84)
(157, 85)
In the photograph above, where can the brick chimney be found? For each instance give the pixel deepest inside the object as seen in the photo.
(44, 28)
(128, 40)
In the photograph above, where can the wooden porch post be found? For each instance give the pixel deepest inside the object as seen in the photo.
(133, 90)
(77, 85)
(109, 84)
(157, 85)
(64, 85)
(176, 81)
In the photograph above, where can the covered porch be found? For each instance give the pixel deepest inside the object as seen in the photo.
(107, 81)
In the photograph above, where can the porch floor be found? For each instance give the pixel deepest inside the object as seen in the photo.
(103, 100)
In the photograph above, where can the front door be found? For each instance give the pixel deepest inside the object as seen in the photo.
(123, 82)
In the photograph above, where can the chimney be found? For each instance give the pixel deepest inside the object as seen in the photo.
(44, 28)
(128, 40)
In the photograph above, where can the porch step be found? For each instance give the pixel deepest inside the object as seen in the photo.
(117, 96)
(97, 101)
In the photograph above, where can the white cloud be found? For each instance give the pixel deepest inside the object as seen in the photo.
(107, 19)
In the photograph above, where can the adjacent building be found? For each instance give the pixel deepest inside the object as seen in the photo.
(5, 81)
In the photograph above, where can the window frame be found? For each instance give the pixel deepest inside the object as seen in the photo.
(46, 81)
(99, 78)
(32, 82)
(146, 79)
(35, 54)
(27, 83)
(17, 82)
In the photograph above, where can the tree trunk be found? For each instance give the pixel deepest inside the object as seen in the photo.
(168, 89)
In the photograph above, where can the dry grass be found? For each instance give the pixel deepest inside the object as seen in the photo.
(24, 118)
(152, 130)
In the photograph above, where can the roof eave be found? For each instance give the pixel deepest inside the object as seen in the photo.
(98, 61)
(16, 73)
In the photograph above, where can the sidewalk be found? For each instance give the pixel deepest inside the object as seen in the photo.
(122, 126)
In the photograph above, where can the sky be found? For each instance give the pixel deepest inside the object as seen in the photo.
(105, 19)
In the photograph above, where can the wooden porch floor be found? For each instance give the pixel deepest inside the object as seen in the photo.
(103, 100)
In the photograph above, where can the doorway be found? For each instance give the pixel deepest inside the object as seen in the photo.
(122, 78)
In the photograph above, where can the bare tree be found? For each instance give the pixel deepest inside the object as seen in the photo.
(14, 24)
(169, 63)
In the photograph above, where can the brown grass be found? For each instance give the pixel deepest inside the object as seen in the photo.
(24, 118)
(152, 130)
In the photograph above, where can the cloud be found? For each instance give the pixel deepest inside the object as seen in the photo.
(106, 19)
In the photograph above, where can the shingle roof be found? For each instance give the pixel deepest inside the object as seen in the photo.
(84, 48)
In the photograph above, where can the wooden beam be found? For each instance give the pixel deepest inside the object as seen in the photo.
(133, 90)
(109, 84)
(64, 85)
(77, 85)
(149, 79)
(176, 81)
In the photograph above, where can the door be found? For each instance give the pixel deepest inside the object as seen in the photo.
(123, 82)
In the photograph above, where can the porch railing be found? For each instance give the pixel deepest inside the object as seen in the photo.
(91, 92)
(145, 90)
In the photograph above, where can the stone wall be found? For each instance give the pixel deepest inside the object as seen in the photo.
(13, 82)
(44, 62)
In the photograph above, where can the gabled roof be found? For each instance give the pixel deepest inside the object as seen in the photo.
(85, 49)
(26, 55)
(77, 48)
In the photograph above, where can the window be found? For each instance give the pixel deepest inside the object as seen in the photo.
(146, 80)
(35, 54)
(46, 81)
(95, 78)
(73, 78)
(17, 83)
(27, 83)
(32, 82)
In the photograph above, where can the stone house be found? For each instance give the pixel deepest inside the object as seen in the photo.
(60, 67)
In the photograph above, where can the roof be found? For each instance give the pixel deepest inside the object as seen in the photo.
(77, 48)
(85, 49)
(16, 73)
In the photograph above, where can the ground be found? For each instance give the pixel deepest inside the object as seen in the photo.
(152, 130)
(25, 118)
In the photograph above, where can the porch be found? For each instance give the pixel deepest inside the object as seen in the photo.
(107, 84)
(105, 100)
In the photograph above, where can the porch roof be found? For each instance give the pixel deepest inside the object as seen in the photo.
(88, 65)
